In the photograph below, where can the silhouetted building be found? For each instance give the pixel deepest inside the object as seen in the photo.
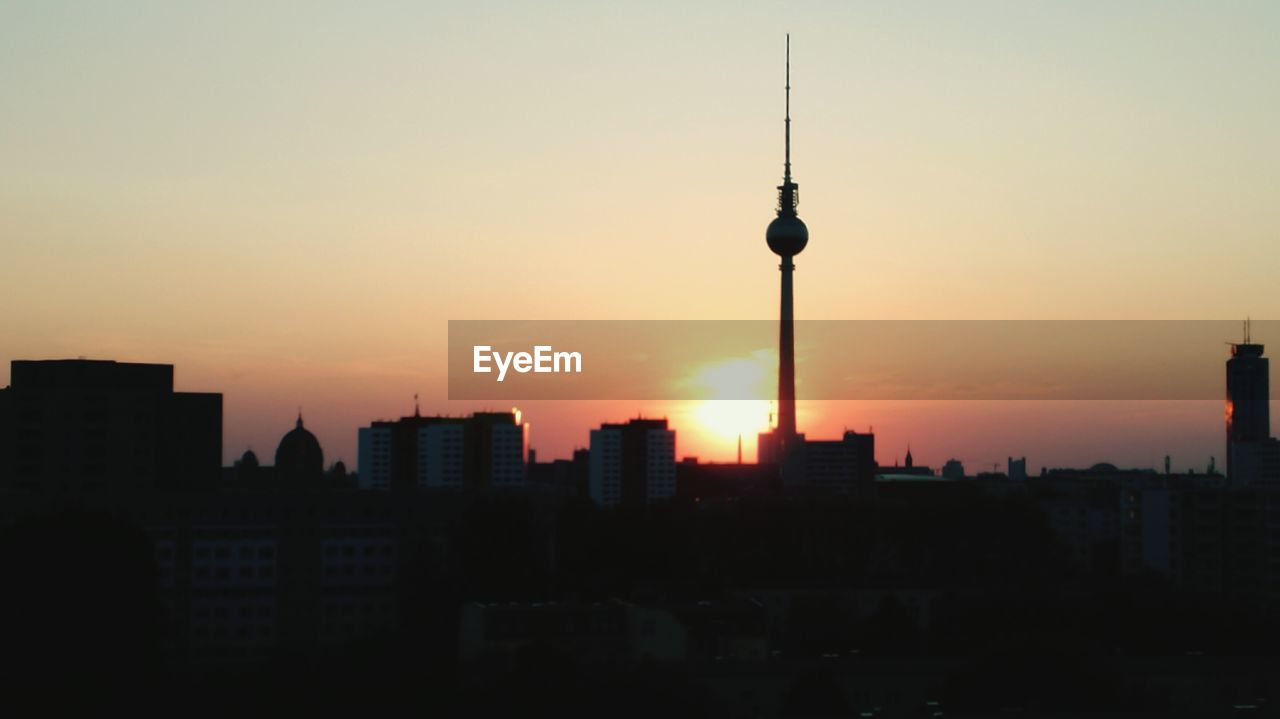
(1256, 463)
(844, 465)
(1248, 410)
(1083, 509)
(632, 463)
(1203, 536)
(562, 477)
(711, 482)
(248, 460)
(813, 464)
(246, 469)
(1017, 468)
(337, 472)
(908, 468)
(483, 451)
(299, 457)
(772, 450)
(953, 469)
(98, 425)
(247, 574)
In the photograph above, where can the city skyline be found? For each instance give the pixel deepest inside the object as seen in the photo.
(311, 212)
(1139, 433)
(424, 357)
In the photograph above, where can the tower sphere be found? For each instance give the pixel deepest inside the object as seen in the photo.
(787, 235)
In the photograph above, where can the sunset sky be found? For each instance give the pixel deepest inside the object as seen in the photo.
(290, 202)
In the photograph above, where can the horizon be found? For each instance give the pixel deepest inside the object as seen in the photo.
(293, 224)
(1138, 433)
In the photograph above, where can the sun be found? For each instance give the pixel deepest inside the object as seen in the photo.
(732, 404)
(725, 420)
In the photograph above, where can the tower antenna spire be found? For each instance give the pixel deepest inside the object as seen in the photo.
(788, 191)
(786, 174)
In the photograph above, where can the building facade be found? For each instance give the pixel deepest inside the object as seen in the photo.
(483, 451)
(632, 463)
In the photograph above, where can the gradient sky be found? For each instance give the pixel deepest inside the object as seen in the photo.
(289, 202)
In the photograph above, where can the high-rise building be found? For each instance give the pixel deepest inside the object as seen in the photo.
(97, 425)
(483, 451)
(633, 463)
(1248, 407)
(1248, 393)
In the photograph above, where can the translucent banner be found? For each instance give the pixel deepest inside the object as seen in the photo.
(857, 359)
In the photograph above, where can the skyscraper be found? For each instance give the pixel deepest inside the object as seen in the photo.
(1248, 412)
(787, 237)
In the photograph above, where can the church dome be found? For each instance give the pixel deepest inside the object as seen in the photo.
(299, 455)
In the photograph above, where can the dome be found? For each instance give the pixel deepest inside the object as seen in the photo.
(247, 466)
(787, 235)
(248, 460)
(299, 455)
(1104, 467)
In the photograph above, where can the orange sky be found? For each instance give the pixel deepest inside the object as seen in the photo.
(289, 203)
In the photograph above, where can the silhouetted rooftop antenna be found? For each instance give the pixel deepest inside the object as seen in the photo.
(1247, 327)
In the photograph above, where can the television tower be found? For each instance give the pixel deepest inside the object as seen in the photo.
(787, 237)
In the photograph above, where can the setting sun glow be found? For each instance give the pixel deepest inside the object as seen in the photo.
(734, 406)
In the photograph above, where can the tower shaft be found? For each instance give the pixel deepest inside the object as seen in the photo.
(786, 356)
